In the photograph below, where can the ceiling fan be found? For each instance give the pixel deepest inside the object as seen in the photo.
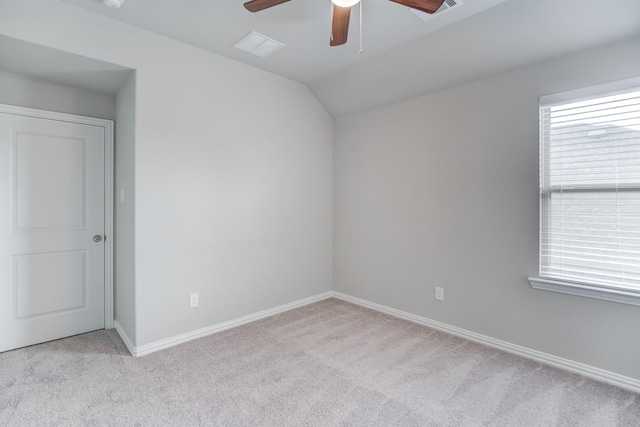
(342, 12)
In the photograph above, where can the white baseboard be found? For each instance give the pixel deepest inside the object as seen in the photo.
(592, 372)
(125, 338)
(203, 332)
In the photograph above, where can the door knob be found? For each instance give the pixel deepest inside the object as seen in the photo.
(97, 238)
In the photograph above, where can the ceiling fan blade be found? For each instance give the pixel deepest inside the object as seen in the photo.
(339, 25)
(428, 6)
(258, 5)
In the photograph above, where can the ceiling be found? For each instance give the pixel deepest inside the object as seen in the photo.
(20, 57)
(403, 57)
(514, 34)
(302, 25)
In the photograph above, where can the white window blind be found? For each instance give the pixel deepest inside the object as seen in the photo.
(590, 186)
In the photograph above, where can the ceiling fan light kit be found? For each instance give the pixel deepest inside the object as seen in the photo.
(345, 3)
(342, 13)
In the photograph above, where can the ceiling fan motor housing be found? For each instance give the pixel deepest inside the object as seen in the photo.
(342, 13)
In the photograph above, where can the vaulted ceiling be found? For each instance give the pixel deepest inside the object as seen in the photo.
(404, 56)
(302, 25)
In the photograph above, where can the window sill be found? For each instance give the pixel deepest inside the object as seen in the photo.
(584, 290)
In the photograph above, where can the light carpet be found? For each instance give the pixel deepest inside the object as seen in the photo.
(326, 364)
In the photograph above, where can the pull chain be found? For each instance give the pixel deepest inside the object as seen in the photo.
(361, 49)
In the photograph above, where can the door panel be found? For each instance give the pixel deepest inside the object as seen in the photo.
(33, 294)
(51, 206)
(48, 194)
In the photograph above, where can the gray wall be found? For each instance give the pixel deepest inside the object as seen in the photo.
(23, 91)
(442, 190)
(233, 174)
(124, 261)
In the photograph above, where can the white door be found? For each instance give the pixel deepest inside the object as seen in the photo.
(51, 207)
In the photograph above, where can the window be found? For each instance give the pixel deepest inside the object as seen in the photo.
(590, 192)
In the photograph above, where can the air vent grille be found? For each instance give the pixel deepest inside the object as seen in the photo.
(446, 6)
(258, 45)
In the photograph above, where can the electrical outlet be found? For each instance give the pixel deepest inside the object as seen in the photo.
(439, 294)
(193, 300)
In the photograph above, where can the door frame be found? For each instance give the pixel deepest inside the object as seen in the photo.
(109, 183)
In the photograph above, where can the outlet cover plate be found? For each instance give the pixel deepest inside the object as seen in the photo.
(193, 300)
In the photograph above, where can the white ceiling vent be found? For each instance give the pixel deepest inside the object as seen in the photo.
(446, 6)
(258, 45)
(113, 3)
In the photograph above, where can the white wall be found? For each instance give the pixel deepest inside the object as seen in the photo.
(124, 257)
(233, 174)
(23, 91)
(442, 190)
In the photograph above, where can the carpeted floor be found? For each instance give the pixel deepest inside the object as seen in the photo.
(326, 364)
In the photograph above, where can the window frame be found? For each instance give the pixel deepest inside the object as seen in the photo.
(571, 287)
